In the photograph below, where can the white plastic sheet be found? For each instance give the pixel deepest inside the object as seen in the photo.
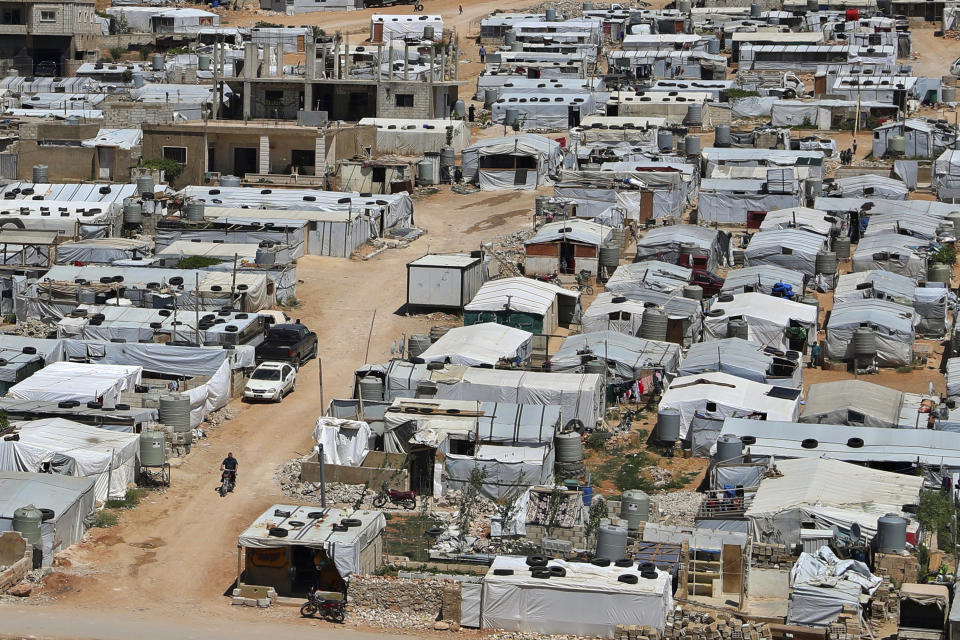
(345, 442)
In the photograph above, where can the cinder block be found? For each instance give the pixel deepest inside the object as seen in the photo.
(238, 600)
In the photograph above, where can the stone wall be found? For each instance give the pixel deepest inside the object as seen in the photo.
(422, 597)
(16, 559)
(130, 115)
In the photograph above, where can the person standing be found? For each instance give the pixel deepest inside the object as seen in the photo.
(854, 150)
(461, 9)
(483, 54)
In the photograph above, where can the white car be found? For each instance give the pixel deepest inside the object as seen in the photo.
(271, 381)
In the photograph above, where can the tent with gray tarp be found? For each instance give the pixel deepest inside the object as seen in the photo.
(627, 358)
(825, 586)
(664, 243)
(649, 274)
(728, 201)
(743, 359)
(854, 403)
(892, 252)
(71, 499)
(762, 279)
(789, 248)
(513, 162)
(922, 138)
(894, 326)
(506, 470)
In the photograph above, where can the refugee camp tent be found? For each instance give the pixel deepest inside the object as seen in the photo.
(853, 403)
(523, 161)
(487, 343)
(102, 250)
(823, 587)
(523, 303)
(771, 322)
(663, 243)
(343, 442)
(892, 252)
(415, 137)
(182, 21)
(354, 550)
(72, 500)
(917, 225)
(538, 111)
(728, 201)
(790, 248)
(807, 490)
(649, 274)
(387, 27)
(627, 358)
(893, 324)
(69, 448)
(763, 279)
(78, 381)
(580, 396)
(588, 601)
(613, 312)
(743, 359)
(875, 284)
(946, 176)
(933, 304)
(507, 470)
(869, 185)
(715, 396)
(813, 220)
(921, 138)
(566, 246)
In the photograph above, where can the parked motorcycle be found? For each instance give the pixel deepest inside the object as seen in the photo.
(228, 480)
(406, 499)
(553, 278)
(331, 605)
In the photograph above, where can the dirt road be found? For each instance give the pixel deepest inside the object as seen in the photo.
(176, 552)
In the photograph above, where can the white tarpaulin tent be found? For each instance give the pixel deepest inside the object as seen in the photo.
(514, 162)
(715, 395)
(824, 585)
(891, 252)
(580, 396)
(506, 469)
(414, 137)
(767, 318)
(539, 111)
(344, 547)
(893, 324)
(73, 449)
(401, 27)
(78, 381)
(344, 442)
(587, 601)
(795, 249)
(807, 489)
(72, 501)
(478, 344)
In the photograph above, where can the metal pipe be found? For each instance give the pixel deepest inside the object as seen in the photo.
(323, 475)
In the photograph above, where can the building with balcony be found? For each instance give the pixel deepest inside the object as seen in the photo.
(47, 38)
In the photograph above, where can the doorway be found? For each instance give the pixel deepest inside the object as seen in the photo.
(568, 263)
(245, 161)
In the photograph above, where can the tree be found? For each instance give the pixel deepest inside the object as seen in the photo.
(554, 503)
(469, 507)
(598, 511)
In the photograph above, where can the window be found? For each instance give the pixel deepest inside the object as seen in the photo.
(177, 154)
(48, 16)
(855, 417)
(273, 98)
(786, 251)
(302, 157)
(404, 99)
(711, 406)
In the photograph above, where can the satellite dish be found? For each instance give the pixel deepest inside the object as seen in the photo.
(836, 532)
(855, 532)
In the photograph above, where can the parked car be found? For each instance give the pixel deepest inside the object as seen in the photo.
(293, 343)
(710, 282)
(271, 381)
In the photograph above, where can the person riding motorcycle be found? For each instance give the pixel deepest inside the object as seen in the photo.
(230, 463)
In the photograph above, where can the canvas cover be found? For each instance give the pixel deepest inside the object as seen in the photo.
(794, 249)
(415, 137)
(546, 153)
(894, 326)
(78, 381)
(767, 318)
(627, 358)
(588, 601)
(109, 457)
(487, 343)
(506, 470)
(344, 442)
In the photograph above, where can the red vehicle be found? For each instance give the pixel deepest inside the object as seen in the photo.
(710, 282)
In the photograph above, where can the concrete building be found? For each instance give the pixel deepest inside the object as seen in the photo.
(61, 34)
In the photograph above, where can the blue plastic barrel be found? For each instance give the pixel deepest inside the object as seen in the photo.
(587, 495)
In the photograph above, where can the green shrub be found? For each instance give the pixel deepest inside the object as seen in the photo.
(104, 519)
(117, 52)
(197, 262)
(170, 168)
(946, 255)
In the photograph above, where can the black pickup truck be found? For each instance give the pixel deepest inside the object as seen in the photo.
(288, 343)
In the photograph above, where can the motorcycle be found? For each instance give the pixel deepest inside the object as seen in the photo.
(228, 480)
(553, 278)
(406, 499)
(329, 604)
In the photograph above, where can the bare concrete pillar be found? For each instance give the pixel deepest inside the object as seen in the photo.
(264, 155)
(247, 99)
(250, 60)
(311, 59)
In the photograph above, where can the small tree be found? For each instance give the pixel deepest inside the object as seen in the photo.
(117, 52)
(470, 502)
(554, 503)
(598, 511)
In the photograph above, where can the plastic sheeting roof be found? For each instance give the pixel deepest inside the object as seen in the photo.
(763, 277)
(649, 274)
(629, 355)
(891, 285)
(572, 230)
(798, 217)
(891, 316)
(477, 344)
(735, 356)
(120, 138)
(877, 401)
(523, 294)
(79, 193)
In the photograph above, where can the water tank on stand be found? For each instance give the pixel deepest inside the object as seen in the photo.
(668, 425)
(729, 449)
(891, 533)
(371, 389)
(948, 93)
(132, 212)
(193, 210)
(654, 324)
(229, 181)
(425, 172)
(145, 184)
(938, 272)
(841, 247)
(611, 542)
(634, 508)
(428, 32)
(826, 263)
(511, 116)
(898, 146)
(266, 253)
(175, 412)
(27, 521)
(691, 145)
(756, 11)
(203, 62)
(722, 136)
(738, 328)
(156, 62)
(693, 292)
(153, 448)
(448, 163)
(489, 97)
(665, 140)
(568, 447)
(138, 80)
(713, 46)
(417, 343)
(41, 174)
(609, 257)
(460, 108)
(864, 343)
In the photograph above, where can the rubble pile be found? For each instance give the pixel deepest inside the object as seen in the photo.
(659, 475)
(31, 328)
(509, 250)
(697, 625)
(678, 507)
(395, 602)
(218, 417)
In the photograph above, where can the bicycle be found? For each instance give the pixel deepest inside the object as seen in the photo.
(582, 285)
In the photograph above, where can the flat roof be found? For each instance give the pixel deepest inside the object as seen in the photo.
(444, 260)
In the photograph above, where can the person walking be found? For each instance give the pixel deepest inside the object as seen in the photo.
(854, 150)
(483, 54)
(461, 9)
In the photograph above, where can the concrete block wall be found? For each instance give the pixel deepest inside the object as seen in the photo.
(387, 100)
(574, 535)
(131, 115)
